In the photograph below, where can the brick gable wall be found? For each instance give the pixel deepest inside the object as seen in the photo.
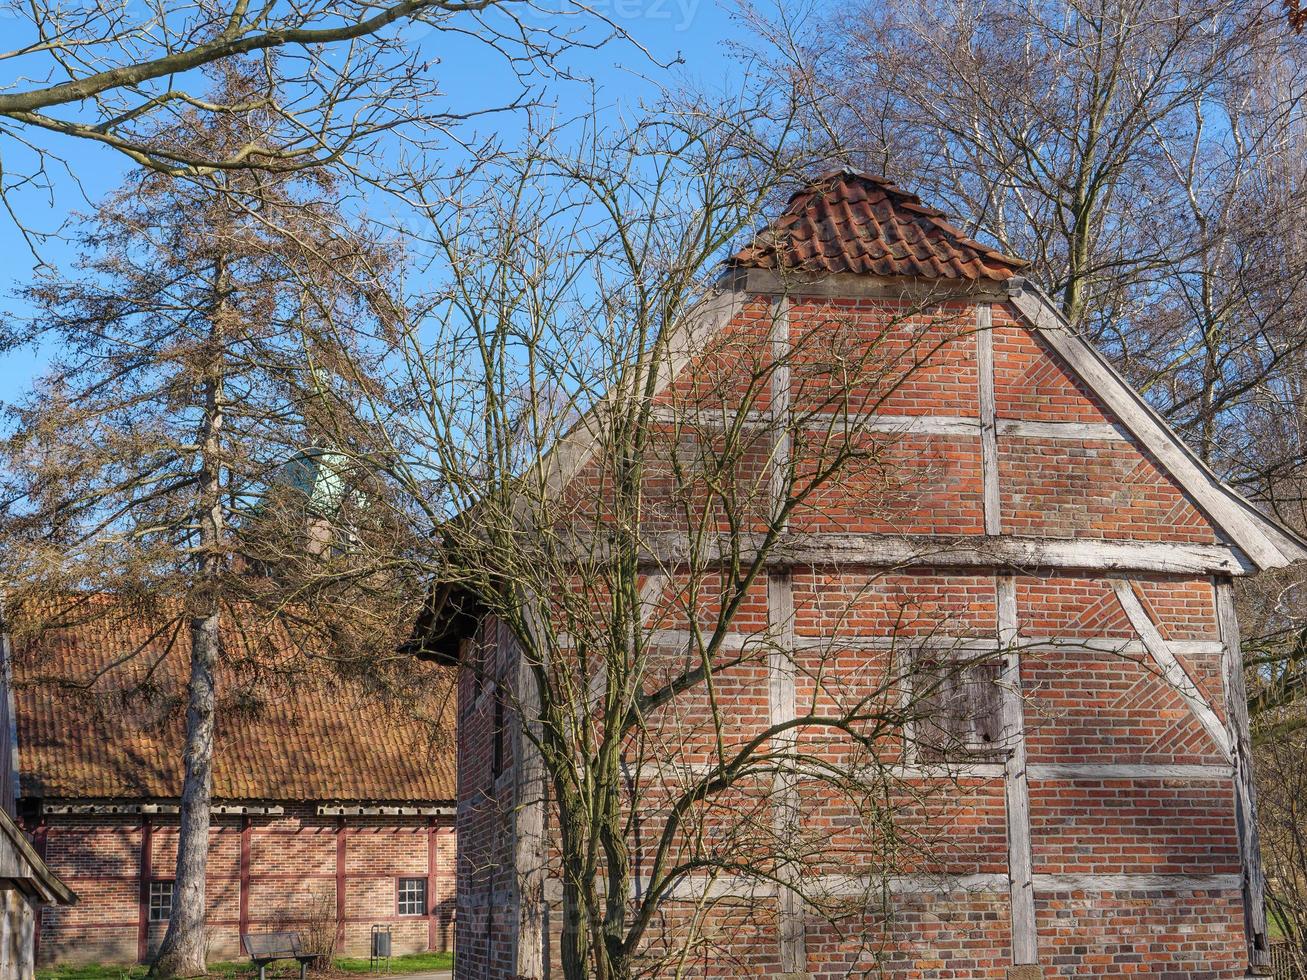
(1132, 816)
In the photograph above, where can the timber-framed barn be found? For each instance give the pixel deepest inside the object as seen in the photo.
(332, 809)
(1064, 521)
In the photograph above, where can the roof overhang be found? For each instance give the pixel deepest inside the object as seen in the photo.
(1264, 540)
(25, 870)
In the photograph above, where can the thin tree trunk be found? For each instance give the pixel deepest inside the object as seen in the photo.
(182, 953)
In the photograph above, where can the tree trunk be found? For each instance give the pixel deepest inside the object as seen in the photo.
(182, 953)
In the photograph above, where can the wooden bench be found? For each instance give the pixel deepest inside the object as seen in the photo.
(265, 947)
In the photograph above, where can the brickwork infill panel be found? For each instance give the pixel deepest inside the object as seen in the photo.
(1093, 488)
(1133, 826)
(1087, 706)
(894, 358)
(894, 483)
(1031, 381)
(1195, 935)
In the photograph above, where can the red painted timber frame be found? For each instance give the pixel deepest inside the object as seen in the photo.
(431, 883)
(143, 913)
(341, 833)
(247, 833)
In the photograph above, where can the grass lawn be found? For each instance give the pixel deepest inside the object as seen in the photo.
(413, 963)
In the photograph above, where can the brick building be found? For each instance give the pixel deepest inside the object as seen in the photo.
(1109, 830)
(333, 810)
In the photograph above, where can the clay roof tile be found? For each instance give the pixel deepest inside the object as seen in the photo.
(315, 737)
(848, 222)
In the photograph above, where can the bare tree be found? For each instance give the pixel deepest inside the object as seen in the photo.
(337, 73)
(196, 429)
(614, 530)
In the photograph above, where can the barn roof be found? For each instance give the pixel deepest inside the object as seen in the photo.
(850, 222)
(288, 727)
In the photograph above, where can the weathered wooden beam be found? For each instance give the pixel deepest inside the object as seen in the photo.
(1020, 856)
(1172, 670)
(680, 772)
(710, 419)
(1250, 851)
(666, 549)
(1112, 645)
(781, 352)
(719, 887)
(990, 494)
(1135, 882)
(781, 700)
(924, 292)
(780, 658)
(1072, 431)
(1117, 770)
(528, 816)
(359, 810)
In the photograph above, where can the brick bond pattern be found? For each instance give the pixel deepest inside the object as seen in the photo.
(1084, 707)
(289, 861)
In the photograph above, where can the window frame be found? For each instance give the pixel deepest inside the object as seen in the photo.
(154, 900)
(974, 748)
(401, 898)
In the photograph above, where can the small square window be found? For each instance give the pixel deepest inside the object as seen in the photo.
(160, 900)
(959, 711)
(412, 896)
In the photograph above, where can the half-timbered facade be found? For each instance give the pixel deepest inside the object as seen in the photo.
(1093, 801)
(333, 809)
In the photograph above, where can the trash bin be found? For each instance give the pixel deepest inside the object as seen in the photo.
(380, 953)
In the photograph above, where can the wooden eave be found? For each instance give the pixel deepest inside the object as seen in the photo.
(224, 807)
(26, 870)
(1265, 541)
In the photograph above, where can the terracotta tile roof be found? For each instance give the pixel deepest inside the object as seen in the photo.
(851, 222)
(282, 733)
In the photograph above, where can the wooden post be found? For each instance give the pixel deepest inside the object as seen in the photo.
(528, 822)
(1025, 940)
(432, 925)
(39, 842)
(780, 401)
(1250, 850)
(247, 831)
(340, 884)
(781, 705)
(780, 661)
(146, 875)
(988, 420)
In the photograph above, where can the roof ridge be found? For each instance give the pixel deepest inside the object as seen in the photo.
(830, 225)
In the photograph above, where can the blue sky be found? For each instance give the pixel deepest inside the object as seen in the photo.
(698, 32)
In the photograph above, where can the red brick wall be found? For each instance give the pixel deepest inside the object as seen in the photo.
(1094, 698)
(292, 865)
(485, 855)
